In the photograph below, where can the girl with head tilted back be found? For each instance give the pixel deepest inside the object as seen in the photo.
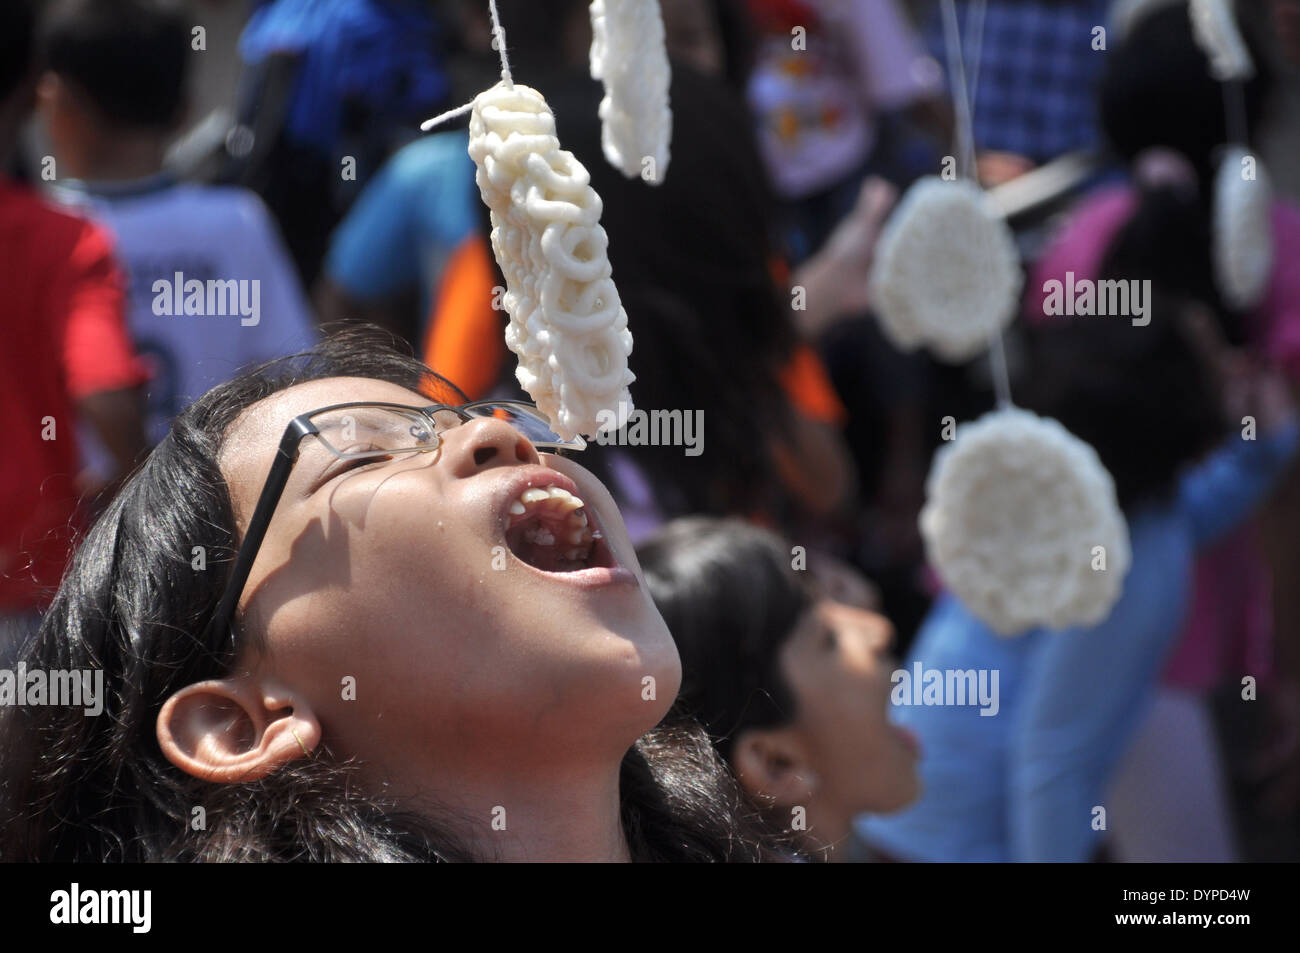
(353, 618)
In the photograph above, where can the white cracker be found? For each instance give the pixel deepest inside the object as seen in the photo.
(567, 325)
(946, 273)
(1015, 505)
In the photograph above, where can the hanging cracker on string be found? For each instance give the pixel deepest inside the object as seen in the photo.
(629, 55)
(1021, 520)
(1214, 24)
(1022, 523)
(567, 324)
(1243, 229)
(946, 273)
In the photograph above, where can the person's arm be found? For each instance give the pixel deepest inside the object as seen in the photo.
(1276, 768)
(834, 280)
(812, 460)
(102, 371)
(1221, 492)
(1085, 692)
(1087, 687)
(816, 468)
(117, 417)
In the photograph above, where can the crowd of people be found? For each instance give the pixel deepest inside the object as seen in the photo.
(166, 312)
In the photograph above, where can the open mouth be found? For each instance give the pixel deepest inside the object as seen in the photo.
(549, 529)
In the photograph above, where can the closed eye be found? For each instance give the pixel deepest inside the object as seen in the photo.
(347, 466)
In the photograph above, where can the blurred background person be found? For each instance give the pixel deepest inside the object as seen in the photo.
(1163, 116)
(829, 83)
(792, 686)
(330, 89)
(1032, 84)
(112, 97)
(66, 354)
(693, 258)
(1022, 786)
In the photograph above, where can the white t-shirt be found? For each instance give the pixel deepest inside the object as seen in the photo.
(210, 285)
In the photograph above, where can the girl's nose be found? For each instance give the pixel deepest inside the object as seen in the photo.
(482, 444)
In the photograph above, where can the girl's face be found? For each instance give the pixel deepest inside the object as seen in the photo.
(838, 666)
(393, 599)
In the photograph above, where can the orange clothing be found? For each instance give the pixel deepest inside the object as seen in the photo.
(465, 344)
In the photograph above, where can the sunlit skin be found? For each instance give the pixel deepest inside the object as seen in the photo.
(476, 687)
(840, 756)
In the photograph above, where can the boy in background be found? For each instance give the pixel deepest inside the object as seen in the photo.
(210, 286)
(66, 354)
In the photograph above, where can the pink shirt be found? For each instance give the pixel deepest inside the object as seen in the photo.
(1230, 628)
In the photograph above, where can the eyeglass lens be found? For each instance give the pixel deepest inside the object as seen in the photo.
(376, 430)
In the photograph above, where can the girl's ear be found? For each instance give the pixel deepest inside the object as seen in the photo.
(232, 730)
(772, 766)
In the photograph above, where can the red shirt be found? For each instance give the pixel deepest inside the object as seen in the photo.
(63, 337)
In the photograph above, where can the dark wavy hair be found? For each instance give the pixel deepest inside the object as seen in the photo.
(17, 44)
(1142, 397)
(731, 600)
(1157, 90)
(74, 788)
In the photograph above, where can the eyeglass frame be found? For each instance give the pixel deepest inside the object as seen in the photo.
(286, 456)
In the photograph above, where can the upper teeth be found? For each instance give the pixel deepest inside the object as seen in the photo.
(558, 499)
(572, 530)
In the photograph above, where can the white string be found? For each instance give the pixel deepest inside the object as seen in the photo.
(443, 117)
(965, 145)
(498, 37)
(975, 33)
(998, 363)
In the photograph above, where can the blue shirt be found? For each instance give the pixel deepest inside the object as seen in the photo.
(1023, 784)
(382, 54)
(415, 212)
(1037, 83)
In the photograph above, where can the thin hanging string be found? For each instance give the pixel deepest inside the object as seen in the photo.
(499, 38)
(975, 34)
(965, 137)
(1001, 379)
(966, 147)
(439, 119)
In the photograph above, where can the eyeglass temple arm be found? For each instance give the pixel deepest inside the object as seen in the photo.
(266, 504)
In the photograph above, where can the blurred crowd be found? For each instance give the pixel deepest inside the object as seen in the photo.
(191, 188)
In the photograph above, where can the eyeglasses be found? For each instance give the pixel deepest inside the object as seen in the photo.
(369, 430)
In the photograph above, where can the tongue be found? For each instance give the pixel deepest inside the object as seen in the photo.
(547, 558)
